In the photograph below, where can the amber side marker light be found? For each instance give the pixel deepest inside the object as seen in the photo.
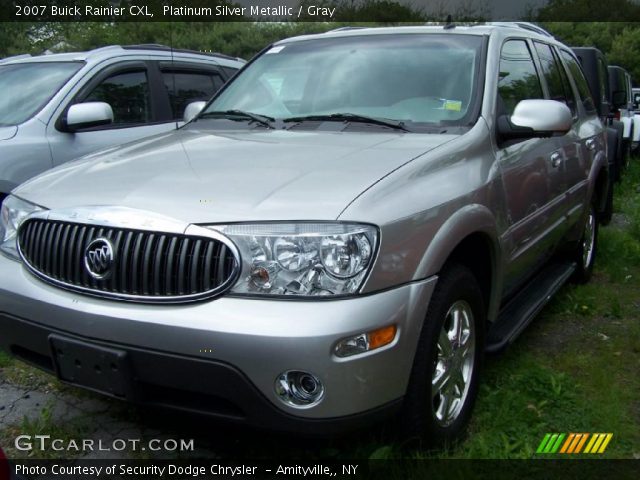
(365, 342)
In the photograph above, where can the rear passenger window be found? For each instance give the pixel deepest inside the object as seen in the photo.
(128, 95)
(518, 77)
(580, 81)
(186, 87)
(552, 71)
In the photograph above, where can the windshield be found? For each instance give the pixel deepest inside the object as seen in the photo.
(412, 78)
(27, 87)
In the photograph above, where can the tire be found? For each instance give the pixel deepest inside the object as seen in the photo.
(619, 156)
(585, 253)
(607, 214)
(424, 414)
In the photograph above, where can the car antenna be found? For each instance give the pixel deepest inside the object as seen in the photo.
(449, 23)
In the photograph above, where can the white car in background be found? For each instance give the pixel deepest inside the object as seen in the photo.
(636, 121)
(55, 108)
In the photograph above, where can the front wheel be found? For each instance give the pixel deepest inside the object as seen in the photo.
(444, 379)
(585, 253)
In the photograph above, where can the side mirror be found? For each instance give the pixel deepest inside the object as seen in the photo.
(89, 114)
(535, 118)
(619, 98)
(193, 109)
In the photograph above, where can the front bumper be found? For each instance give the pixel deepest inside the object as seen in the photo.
(222, 357)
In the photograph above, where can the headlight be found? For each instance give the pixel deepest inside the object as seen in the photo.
(14, 211)
(302, 259)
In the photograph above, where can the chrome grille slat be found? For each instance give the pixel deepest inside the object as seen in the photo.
(157, 267)
(124, 264)
(62, 252)
(170, 262)
(79, 277)
(147, 266)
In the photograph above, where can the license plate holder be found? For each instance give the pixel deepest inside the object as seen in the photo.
(94, 367)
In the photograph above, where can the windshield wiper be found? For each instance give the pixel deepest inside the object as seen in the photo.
(351, 117)
(241, 114)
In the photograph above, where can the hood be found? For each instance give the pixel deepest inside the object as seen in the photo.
(8, 132)
(202, 176)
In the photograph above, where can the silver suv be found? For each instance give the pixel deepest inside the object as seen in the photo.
(58, 107)
(338, 236)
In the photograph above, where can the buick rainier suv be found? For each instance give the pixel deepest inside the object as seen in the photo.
(337, 237)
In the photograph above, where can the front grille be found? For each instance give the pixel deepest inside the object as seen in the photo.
(146, 266)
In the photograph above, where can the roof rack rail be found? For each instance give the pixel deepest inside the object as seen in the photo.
(15, 57)
(532, 27)
(166, 48)
(103, 49)
(344, 29)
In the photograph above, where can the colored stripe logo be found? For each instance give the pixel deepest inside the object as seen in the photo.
(573, 443)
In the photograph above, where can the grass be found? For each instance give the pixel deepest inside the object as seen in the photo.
(575, 369)
(5, 360)
(45, 424)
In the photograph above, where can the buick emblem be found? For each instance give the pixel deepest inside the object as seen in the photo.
(98, 258)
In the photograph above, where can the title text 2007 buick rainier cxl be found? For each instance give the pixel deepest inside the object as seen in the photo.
(339, 235)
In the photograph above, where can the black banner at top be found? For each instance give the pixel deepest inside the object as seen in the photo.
(391, 11)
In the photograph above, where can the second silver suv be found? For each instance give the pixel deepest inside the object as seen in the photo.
(58, 107)
(340, 234)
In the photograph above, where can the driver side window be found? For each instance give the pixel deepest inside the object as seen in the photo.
(128, 95)
(518, 77)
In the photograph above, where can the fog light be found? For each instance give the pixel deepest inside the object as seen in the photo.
(364, 342)
(299, 389)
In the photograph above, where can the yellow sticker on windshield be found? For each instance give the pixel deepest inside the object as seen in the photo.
(453, 105)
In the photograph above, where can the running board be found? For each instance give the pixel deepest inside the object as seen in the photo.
(518, 313)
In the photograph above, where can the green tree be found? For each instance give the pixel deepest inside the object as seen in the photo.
(590, 10)
(626, 52)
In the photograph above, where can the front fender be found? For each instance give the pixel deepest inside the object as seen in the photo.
(469, 220)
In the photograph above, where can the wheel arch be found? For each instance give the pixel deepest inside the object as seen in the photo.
(469, 237)
(599, 182)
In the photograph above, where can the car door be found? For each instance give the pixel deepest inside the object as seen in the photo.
(139, 106)
(587, 135)
(567, 157)
(531, 177)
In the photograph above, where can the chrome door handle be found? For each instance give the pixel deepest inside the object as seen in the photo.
(556, 159)
(591, 144)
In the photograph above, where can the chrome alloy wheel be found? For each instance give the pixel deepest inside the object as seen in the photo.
(454, 363)
(589, 239)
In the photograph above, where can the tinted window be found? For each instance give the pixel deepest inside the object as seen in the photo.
(187, 87)
(128, 95)
(27, 87)
(580, 81)
(518, 77)
(552, 72)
